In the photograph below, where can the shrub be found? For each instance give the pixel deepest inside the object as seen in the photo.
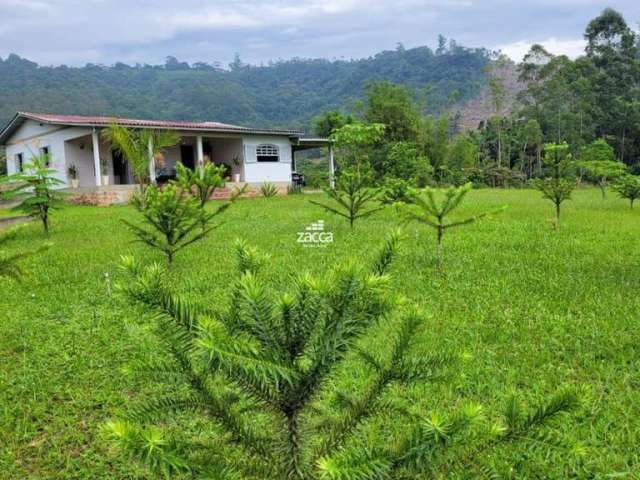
(628, 186)
(202, 181)
(395, 190)
(268, 190)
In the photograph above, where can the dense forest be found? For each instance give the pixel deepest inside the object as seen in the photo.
(283, 93)
(591, 104)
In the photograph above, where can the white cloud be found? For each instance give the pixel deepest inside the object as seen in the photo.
(572, 48)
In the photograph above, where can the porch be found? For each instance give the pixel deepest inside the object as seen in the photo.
(97, 164)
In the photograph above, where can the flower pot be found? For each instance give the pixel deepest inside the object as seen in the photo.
(75, 183)
(236, 178)
(105, 180)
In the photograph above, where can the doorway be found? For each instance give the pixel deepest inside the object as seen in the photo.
(120, 168)
(187, 156)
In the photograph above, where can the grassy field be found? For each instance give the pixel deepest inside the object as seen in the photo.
(527, 308)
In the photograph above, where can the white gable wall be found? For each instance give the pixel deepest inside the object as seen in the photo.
(32, 136)
(260, 172)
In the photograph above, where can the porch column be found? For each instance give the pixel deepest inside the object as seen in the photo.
(200, 150)
(152, 163)
(332, 168)
(95, 140)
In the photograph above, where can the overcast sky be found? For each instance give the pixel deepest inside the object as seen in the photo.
(146, 31)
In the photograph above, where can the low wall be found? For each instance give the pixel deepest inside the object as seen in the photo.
(121, 194)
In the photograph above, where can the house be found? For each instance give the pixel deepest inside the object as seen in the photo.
(253, 155)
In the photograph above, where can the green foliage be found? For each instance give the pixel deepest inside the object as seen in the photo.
(201, 181)
(592, 97)
(36, 189)
(559, 185)
(392, 106)
(598, 160)
(174, 220)
(269, 355)
(395, 190)
(404, 160)
(138, 146)
(628, 186)
(283, 93)
(268, 190)
(434, 213)
(326, 124)
(354, 141)
(354, 196)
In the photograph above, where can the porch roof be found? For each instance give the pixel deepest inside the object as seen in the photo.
(105, 121)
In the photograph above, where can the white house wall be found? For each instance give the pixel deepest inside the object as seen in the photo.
(260, 172)
(32, 136)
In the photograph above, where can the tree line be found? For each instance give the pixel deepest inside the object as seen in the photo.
(592, 103)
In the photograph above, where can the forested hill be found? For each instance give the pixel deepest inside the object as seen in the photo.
(284, 93)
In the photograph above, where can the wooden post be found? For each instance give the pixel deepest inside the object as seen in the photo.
(152, 163)
(332, 168)
(95, 140)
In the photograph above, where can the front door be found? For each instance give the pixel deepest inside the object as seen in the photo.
(120, 170)
(187, 156)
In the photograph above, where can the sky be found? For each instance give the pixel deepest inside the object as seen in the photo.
(76, 32)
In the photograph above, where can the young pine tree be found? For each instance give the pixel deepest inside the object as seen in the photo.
(354, 196)
(202, 181)
(251, 388)
(628, 186)
(559, 184)
(173, 220)
(36, 187)
(434, 213)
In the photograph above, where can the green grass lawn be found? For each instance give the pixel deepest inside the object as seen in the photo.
(528, 309)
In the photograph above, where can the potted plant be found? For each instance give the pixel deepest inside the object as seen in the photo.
(236, 162)
(104, 166)
(72, 173)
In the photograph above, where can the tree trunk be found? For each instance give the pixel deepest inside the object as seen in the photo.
(293, 469)
(440, 233)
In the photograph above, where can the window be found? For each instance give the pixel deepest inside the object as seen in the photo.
(267, 153)
(20, 162)
(44, 151)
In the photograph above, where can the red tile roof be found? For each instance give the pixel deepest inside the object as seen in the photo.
(129, 122)
(100, 121)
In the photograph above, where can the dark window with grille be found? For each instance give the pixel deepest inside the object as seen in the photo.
(44, 151)
(20, 162)
(267, 153)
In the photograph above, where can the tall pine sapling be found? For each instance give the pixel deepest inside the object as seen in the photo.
(36, 186)
(434, 213)
(174, 220)
(259, 378)
(353, 195)
(628, 187)
(559, 185)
